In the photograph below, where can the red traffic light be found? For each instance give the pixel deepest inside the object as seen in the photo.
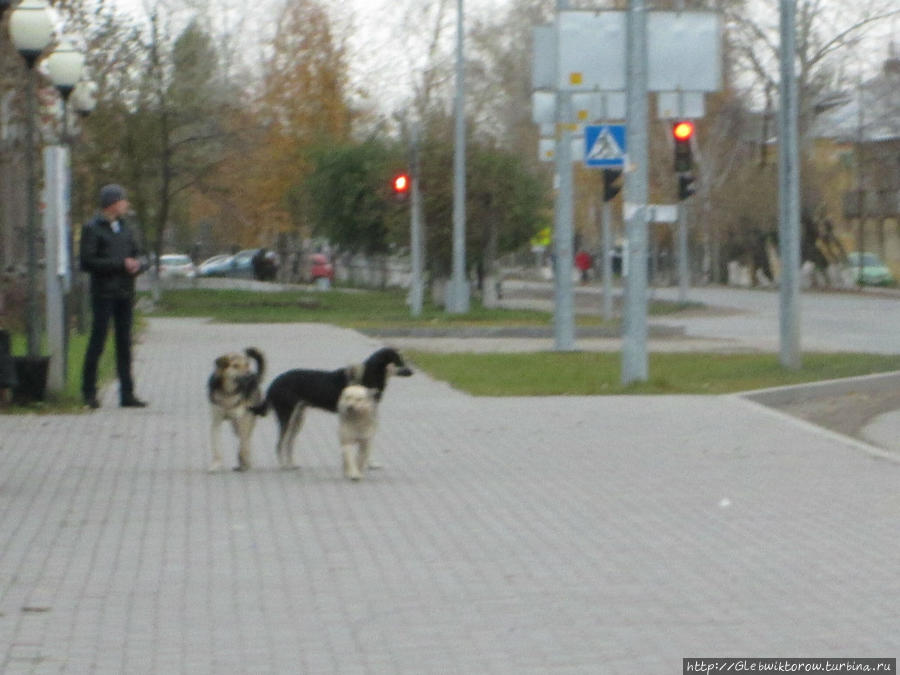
(401, 183)
(682, 131)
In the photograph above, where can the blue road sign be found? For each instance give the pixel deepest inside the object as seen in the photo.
(604, 146)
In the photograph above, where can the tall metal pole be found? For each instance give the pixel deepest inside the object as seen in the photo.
(683, 271)
(31, 316)
(458, 300)
(634, 347)
(563, 232)
(607, 262)
(789, 194)
(56, 219)
(416, 239)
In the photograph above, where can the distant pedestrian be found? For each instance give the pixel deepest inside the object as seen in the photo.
(583, 262)
(258, 261)
(110, 252)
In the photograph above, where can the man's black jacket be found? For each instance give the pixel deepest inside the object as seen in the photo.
(103, 254)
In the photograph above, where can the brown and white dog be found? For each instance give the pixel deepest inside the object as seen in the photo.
(233, 388)
(357, 422)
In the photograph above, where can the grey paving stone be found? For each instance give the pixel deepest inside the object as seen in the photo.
(542, 535)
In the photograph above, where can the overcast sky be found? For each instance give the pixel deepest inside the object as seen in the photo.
(379, 57)
(381, 51)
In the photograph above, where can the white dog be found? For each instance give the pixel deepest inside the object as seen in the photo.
(233, 388)
(357, 408)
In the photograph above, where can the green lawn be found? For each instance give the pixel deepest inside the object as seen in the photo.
(356, 309)
(593, 373)
(349, 308)
(541, 374)
(518, 374)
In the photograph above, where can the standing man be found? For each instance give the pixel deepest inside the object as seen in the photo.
(110, 253)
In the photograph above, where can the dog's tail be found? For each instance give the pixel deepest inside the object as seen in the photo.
(263, 406)
(257, 356)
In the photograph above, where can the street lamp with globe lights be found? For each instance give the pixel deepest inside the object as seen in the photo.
(84, 98)
(65, 66)
(31, 29)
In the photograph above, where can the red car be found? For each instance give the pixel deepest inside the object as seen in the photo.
(320, 267)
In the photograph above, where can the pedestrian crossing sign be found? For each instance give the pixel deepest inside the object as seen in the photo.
(604, 146)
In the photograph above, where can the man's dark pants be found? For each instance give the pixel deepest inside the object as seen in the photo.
(120, 310)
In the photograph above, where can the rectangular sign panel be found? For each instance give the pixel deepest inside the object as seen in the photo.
(679, 105)
(598, 106)
(543, 60)
(604, 146)
(543, 107)
(684, 51)
(591, 51)
(547, 149)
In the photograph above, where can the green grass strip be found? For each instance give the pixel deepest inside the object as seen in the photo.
(599, 373)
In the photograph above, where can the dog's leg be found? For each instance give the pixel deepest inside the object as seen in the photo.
(243, 427)
(214, 441)
(362, 456)
(351, 460)
(288, 435)
(372, 461)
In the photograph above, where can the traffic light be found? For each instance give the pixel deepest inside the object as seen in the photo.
(682, 133)
(686, 185)
(610, 188)
(401, 184)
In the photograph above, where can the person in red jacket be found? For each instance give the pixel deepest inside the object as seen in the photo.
(583, 262)
(110, 253)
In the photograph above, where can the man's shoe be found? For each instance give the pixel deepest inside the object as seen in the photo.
(91, 402)
(133, 402)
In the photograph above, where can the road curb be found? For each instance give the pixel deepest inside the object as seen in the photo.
(783, 396)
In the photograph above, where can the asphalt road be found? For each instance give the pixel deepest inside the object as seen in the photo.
(749, 319)
(735, 320)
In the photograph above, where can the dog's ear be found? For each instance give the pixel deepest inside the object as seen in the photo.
(222, 362)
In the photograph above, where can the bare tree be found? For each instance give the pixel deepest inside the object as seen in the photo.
(827, 33)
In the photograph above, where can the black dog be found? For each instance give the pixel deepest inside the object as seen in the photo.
(294, 390)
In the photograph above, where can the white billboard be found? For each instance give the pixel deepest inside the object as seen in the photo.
(684, 52)
(591, 51)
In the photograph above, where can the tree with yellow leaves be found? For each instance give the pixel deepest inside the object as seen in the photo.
(303, 104)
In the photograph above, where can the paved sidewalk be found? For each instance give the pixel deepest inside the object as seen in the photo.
(542, 535)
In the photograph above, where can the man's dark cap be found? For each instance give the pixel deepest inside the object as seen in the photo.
(110, 194)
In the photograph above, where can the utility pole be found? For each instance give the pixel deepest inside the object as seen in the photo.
(457, 301)
(789, 193)
(563, 232)
(683, 269)
(607, 261)
(416, 291)
(634, 347)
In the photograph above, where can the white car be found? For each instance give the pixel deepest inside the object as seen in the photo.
(175, 265)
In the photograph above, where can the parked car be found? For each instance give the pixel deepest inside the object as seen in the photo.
(242, 263)
(217, 266)
(320, 267)
(176, 265)
(868, 269)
